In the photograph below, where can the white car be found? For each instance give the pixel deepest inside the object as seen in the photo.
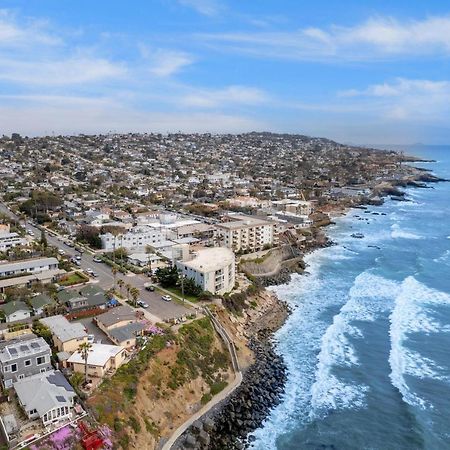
(167, 298)
(96, 259)
(142, 304)
(91, 338)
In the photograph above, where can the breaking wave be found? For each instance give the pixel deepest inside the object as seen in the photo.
(369, 295)
(398, 233)
(410, 316)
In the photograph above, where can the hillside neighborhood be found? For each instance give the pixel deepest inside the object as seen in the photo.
(118, 251)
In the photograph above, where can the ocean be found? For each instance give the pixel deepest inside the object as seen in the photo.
(367, 346)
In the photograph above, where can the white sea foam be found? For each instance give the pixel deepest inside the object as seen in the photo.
(409, 316)
(399, 233)
(443, 258)
(299, 341)
(369, 295)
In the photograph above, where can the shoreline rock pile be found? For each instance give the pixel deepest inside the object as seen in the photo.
(228, 427)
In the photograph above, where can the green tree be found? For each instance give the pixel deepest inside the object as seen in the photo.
(43, 240)
(191, 287)
(167, 276)
(134, 295)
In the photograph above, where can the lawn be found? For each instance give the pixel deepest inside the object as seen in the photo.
(177, 291)
(73, 278)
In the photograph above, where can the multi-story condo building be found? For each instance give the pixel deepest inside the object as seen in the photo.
(213, 269)
(299, 207)
(23, 357)
(136, 238)
(246, 233)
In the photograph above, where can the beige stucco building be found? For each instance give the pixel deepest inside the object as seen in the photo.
(213, 269)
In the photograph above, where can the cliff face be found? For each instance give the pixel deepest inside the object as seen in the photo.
(147, 400)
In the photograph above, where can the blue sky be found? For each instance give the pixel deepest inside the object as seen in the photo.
(369, 72)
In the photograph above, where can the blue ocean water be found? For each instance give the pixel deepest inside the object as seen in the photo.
(368, 344)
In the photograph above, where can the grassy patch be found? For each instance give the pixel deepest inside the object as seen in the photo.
(73, 278)
(152, 428)
(205, 398)
(197, 355)
(218, 387)
(177, 291)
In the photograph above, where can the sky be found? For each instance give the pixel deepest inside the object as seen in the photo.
(362, 72)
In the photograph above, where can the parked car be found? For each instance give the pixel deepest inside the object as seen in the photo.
(150, 288)
(89, 271)
(142, 304)
(91, 338)
(96, 259)
(167, 298)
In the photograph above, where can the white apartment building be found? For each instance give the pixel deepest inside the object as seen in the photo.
(35, 265)
(9, 240)
(135, 239)
(213, 269)
(246, 233)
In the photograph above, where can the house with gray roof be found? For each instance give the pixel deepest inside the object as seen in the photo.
(67, 336)
(121, 324)
(87, 297)
(15, 311)
(46, 396)
(125, 336)
(23, 357)
(40, 302)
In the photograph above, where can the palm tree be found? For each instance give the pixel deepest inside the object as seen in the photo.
(134, 295)
(149, 251)
(84, 350)
(128, 287)
(121, 284)
(114, 272)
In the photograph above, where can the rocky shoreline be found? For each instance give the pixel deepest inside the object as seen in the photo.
(228, 426)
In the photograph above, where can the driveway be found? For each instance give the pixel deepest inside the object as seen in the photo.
(91, 328)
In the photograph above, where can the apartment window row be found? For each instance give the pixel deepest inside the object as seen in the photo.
(27, 363)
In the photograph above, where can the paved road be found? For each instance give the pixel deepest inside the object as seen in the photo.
(158, 309)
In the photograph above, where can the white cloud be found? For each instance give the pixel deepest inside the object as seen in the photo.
(55, 72)
(405, 99)
(30, 32)
(205, 7)
(232, 95)
(378, 37)
(167, 62)
(72, 115)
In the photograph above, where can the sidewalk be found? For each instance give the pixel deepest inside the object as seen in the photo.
(216, 400)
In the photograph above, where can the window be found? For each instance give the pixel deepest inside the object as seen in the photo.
(42, 370)
(21, 376)
(33, 411)
(27, 362)
(13, 367)
(40, 360)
